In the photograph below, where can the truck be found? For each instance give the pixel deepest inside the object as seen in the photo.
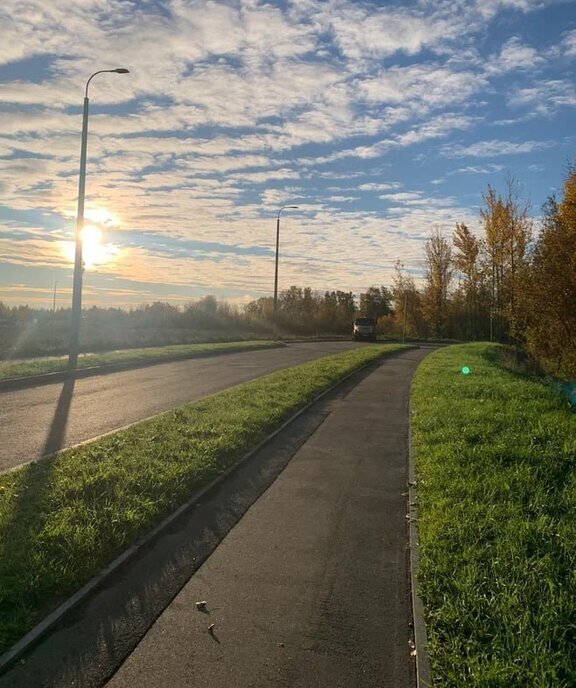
(365, 329)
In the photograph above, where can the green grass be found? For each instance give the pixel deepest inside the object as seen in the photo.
(52, 364)
(64, 518)
(496, 465)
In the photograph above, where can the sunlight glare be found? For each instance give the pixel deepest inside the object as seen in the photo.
(94, 251)
(102, 216)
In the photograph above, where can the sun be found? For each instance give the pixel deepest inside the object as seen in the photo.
(92, 247)
(94, 250)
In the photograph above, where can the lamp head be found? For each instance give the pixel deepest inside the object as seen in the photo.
(285, 207)
(121, 70)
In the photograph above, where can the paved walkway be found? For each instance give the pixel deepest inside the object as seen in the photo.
(311, 587)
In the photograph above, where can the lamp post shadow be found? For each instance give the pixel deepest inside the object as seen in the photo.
(57, 432)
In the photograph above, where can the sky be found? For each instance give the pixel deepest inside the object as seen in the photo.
(380, 120)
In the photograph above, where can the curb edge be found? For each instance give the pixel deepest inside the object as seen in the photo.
(423, 673)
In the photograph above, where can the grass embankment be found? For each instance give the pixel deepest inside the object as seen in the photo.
(64, 518)
(496, 464)
(38, 366)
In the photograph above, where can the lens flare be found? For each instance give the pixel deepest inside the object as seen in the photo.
(94, 251)
(102, 216)
(91, 246)
(465, 370)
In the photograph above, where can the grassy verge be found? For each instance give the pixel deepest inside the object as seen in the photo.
(496, 464)
(64, 518)
(38, 366)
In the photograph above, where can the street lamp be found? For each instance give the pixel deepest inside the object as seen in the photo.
(56, 283)
(404, 317)
(277, 245)
(78, 265)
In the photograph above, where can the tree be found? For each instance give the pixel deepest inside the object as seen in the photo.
(346, 304)
(290, 301)
(439, 273)
(507, 232)
(547, 302)
(376, 302)
(407, 305)
(208, 304)
(261, 308)
(5, 312)
(465, 261)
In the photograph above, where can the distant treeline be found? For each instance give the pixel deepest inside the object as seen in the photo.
(26, 331)
(513, 283)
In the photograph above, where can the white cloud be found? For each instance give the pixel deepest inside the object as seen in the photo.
(386, 186)
(489, 8)
(477, 169)
(568, 44)
(232, 97)
(402, 196)
(268, 175)
(493, 148)
(417, 198)
(545, 97)
(422, 86)
(362, 32)
(514, 55)
(436, 127)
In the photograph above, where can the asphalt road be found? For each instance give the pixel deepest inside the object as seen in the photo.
(43, 419)
(300, 554)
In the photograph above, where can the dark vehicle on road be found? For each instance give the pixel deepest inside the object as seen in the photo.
(365, 329)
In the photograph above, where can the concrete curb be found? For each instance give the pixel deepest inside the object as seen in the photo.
(43, 628)
(14, 383)
(423, 673)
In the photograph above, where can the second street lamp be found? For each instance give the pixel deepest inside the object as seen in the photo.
(277, 246)
(56, 283)
(78, 265)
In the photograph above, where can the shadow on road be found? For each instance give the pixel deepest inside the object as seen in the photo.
(57, 432)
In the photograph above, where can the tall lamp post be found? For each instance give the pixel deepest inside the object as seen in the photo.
(277, 246)
(404, 319)
(56, 283)
(78, 265)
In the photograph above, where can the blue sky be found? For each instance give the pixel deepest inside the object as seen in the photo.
(380, 120)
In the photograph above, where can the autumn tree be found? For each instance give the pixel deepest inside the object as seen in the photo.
(469, 298)
(547, 301)
(439, 271)
(407, 304)
(507, 232)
